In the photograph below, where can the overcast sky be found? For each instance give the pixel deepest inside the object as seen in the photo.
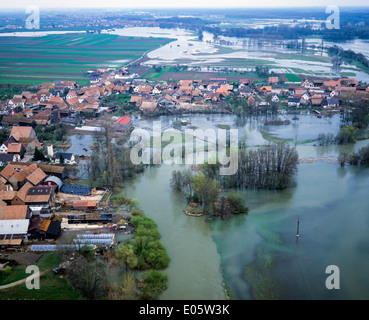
(7, 4)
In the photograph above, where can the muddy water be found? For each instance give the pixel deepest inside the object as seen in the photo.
(194, 270)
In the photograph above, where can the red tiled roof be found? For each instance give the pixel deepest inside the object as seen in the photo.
(123, 120)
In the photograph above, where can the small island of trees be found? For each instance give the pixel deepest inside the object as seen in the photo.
(208, 192)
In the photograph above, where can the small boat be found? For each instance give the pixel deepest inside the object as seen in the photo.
(85, 149)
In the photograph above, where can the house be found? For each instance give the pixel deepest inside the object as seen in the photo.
(333, 102)
(22, 132)
(5, 159)
(316, 100)
(156, 90)
(246, 92)
(7, 196)
(305, 97)
(16, 102)
(4, 146)
(273, 80)
(17, 150)
(30, 144)
(293, 102)
(167, 102)
(71, 94)
(67, 158)
(275, 98)
(123, 124)
(12, 232)
(42, 228)
(39, 197)
(251, 101)
(265, 89)
(14, 212)
(148, 106)
(57, 171)
(36, 177)
(307, 84)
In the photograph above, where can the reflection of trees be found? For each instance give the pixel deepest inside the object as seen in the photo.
(341, 172)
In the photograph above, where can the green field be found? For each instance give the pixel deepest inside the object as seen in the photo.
(291, 77)
(33, 60)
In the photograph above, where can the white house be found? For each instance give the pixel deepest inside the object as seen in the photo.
(69, 158)
(275, 98)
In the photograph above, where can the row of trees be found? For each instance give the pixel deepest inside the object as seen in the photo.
(267, 167)
(346, 135)
(348, 55)
(360, 157)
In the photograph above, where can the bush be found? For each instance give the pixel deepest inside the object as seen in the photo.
(346, 135)
(137, 212)
(155, 283)
(236, 201)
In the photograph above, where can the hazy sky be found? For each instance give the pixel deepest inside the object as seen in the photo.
(6, 4)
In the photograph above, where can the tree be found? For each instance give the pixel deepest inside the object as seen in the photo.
(155, 283)
(61, 159)
(125, 255)
(182, 181)
(126, 290)
(236, 202)
(38, 155)
(346, 135)
(207, 189)
(89, 278)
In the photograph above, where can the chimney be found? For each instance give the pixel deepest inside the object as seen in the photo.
(50, 151)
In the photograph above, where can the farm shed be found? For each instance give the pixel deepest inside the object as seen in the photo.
(78, 190)
(53, 181)
(85, 204)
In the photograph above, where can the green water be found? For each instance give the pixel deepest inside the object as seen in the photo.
(194, 270)
(259, 254)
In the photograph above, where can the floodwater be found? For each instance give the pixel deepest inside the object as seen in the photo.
(258, 255)
(262, 257)
(194, 271)
(186, 49)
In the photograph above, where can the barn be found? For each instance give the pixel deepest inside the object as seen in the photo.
(123, 124)
(53, 182)
(85, 204)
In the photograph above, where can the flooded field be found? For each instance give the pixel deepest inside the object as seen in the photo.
(245, 53)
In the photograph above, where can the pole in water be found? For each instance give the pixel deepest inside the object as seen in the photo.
(298, 226)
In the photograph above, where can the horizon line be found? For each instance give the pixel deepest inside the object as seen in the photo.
(192, 7)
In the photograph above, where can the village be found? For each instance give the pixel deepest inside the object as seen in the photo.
(39, 204)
